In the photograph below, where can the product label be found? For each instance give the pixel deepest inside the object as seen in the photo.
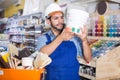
(1, 72)
(3, 49)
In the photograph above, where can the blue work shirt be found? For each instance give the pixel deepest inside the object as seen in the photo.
(41, 41)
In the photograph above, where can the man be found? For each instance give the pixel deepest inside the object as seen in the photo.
(63, 46)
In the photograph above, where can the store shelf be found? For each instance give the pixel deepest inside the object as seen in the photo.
(87, 76)
(32, 32)
(104, 38)
(91, 63)
(105, 67)
(25, 29)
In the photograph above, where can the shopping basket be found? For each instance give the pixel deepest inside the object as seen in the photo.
(18, 74)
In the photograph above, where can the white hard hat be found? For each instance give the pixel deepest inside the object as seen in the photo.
(54, 7)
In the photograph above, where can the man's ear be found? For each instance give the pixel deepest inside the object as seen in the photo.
(48, 21)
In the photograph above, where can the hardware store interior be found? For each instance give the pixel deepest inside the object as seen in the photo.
(59, 39)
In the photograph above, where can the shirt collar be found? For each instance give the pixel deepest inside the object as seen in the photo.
(51, 34)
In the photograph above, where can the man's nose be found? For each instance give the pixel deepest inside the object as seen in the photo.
(61, 20)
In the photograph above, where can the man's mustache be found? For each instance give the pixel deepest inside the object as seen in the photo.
(61, 24)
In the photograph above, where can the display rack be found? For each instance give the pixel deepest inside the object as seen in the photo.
(24, 30)
(104, 38)
(106, 67)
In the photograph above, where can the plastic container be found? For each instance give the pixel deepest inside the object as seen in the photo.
(18, 74)
(76, 19)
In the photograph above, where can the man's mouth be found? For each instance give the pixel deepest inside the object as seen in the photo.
(61, 24)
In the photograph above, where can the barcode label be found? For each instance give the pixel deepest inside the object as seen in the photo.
(1, 72)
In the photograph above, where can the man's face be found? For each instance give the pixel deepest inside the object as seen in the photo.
(57, 21)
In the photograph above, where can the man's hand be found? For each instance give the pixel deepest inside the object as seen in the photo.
(86, 48)
(66, 34)
(83, 34)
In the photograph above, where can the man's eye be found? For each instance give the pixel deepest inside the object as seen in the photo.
(62, 17)
(56, 18)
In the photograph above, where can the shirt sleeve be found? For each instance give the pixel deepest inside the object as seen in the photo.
(80, 47)
(41, 41)
(78, 44)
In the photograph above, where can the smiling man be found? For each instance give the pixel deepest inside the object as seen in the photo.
(62, 46)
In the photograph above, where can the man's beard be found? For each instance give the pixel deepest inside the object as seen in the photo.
(57, 29)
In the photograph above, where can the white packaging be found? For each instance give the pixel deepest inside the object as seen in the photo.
(76, 19)
(27, 62)
(31, 6)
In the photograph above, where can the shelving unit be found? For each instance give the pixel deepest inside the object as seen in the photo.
(104, 67)
(25, 29)
(104, 38)
(104, 27)
(87, 76)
